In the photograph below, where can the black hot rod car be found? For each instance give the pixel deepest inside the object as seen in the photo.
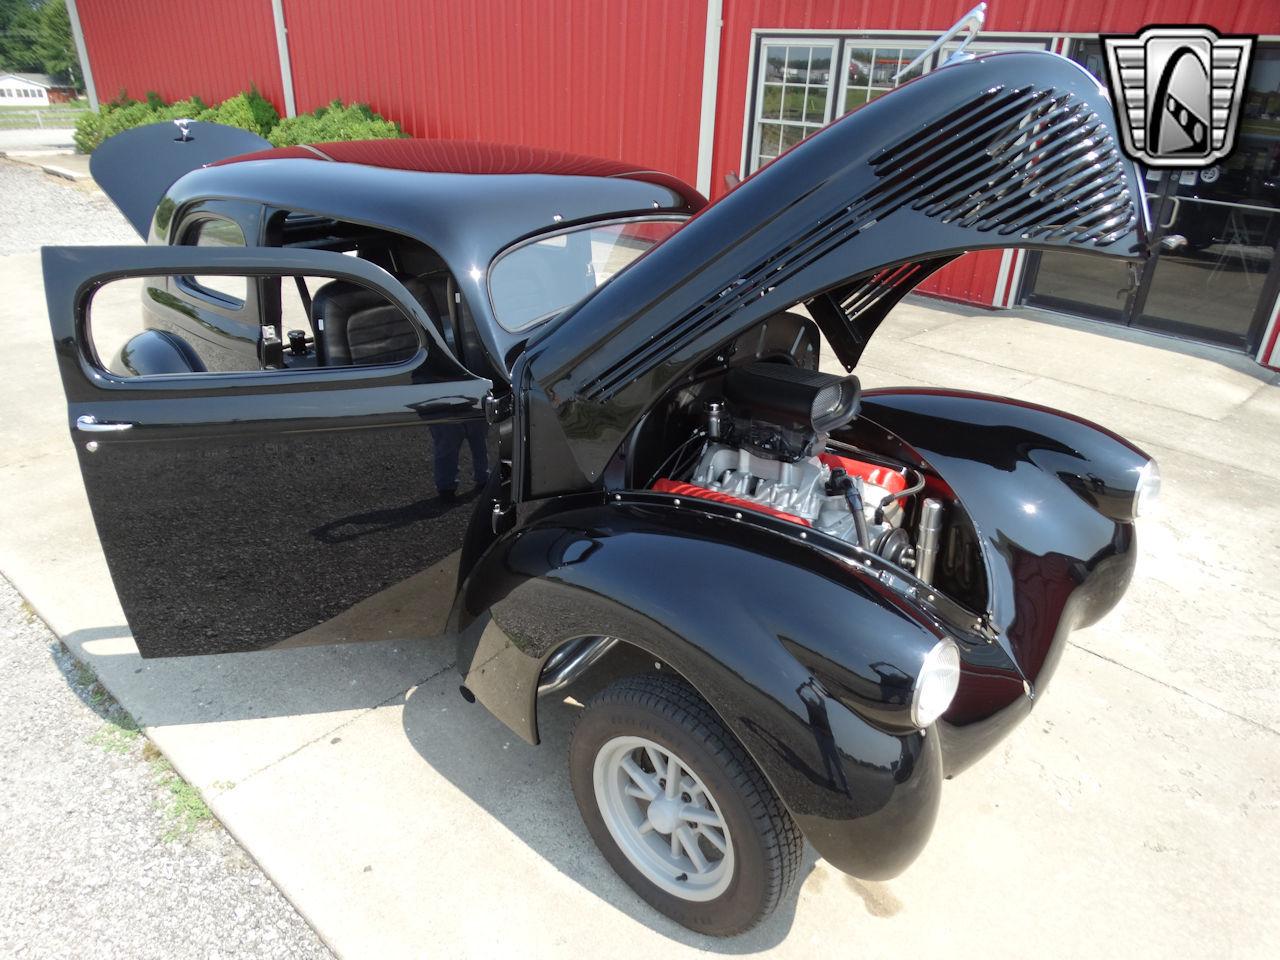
(570, 416)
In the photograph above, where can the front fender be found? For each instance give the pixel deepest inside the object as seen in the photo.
(808, 660)
(1051, 499)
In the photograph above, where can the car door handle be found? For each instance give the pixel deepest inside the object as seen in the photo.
(91, 424)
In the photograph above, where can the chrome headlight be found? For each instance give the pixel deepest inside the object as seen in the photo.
(937, 683)
(1148, 491)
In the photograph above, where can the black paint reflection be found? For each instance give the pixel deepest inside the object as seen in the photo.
(234, 537)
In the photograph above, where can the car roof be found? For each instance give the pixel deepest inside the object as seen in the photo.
(473, 157)
(488, 199)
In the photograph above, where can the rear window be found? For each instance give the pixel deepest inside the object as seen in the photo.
(228, 291)
(538, 279)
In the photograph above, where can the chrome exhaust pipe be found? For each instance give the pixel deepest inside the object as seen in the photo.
(571, 661)
(929, 537)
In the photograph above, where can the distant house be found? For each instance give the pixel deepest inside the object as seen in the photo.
(33, 90)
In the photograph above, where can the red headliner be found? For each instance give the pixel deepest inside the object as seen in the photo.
(468, 156)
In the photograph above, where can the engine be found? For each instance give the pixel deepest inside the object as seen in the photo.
(767, 449)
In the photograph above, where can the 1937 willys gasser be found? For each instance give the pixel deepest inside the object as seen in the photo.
(822, 602)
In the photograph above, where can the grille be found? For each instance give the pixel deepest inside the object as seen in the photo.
(1031, 163)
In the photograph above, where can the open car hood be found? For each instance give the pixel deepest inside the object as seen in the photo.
(136, 168)
(1007, 150)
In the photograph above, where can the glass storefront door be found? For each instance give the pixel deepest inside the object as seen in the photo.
(1213, 286)
(1219, 285)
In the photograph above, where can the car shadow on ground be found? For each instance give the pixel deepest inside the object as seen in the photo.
(523, 787)
(526, 789)
(330, 678)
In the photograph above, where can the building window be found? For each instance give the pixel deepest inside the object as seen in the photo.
(870, 71)
(793, 95)
(796, 90)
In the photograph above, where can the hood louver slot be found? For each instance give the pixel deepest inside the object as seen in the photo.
(1029, 164)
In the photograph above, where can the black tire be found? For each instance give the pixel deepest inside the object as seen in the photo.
(766, 842)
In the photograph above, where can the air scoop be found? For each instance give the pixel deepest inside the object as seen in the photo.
(785, 413)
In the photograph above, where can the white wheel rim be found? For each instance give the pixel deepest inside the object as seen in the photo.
(663, 818)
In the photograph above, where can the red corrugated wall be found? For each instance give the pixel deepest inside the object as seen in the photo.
(181, 47)
(614, 78)
(972, 277)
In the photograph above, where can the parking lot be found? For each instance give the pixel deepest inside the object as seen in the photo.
(1136, 813)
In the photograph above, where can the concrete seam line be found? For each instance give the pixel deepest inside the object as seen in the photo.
(346, 723)
(1176, 689)
(1066, 383)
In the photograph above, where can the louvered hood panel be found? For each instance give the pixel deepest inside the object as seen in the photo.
(1007, 150)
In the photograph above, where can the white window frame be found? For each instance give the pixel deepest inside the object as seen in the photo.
(842, 42)
(761, 66)
(854, 43)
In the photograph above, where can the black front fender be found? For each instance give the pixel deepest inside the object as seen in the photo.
(807, 659)
(1051, 498)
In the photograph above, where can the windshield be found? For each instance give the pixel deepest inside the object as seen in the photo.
(540, 278)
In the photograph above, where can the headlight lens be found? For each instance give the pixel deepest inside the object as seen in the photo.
(937, 683)
(1148, 492)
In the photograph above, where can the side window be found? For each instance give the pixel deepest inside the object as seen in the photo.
(349, 327)
(228, 292)
(137, 326)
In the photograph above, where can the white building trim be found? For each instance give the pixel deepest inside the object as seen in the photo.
(86, 71)
(710, 88)
(1269, 350)
(282, 50)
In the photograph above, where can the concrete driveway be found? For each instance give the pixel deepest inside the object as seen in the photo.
(37, 140)
(1135, 813)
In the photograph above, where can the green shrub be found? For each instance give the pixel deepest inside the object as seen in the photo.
(334, 122)
(249, 111)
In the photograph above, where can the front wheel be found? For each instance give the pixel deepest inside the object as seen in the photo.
(678, 808)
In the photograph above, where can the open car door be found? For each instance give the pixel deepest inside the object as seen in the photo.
(246, 510)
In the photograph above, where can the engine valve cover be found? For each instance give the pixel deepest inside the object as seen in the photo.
(799, 489)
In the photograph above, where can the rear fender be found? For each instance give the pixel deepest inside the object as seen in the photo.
(807, 660)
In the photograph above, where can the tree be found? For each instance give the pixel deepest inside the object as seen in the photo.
(35, 37)
(18, 28)
(54, 46)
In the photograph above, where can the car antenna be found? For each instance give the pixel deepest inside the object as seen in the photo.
(971, 22)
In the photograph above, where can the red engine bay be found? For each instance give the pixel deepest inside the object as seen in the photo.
(885, 477)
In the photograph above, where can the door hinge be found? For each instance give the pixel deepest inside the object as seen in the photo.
(497, 409)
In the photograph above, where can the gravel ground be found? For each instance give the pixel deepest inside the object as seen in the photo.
(105, 852)
(37, 209)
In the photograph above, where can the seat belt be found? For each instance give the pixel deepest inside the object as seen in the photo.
(306, 303)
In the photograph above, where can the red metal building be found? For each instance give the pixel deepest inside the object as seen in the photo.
(711, 89)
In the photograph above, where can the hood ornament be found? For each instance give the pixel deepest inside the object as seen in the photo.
(970, 24)
(184, 135)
